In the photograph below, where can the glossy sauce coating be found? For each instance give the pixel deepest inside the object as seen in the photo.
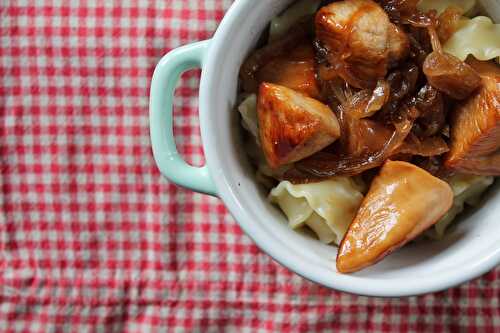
(475, 127)
(293, 126)
(360, 39)
(294, 70)
(450, 75)
(402, 202)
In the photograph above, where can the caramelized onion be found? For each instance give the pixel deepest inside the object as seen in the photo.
(325, 165)
(428, 147)
(366, 103)
(403, 81)
(406, 12)
(364, 137)
(448, 22)
(359, 135)
(378, 98)
(430, 103)
(420, 45)
(448, 73)
(451, 75)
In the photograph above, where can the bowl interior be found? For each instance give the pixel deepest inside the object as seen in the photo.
(469, 249)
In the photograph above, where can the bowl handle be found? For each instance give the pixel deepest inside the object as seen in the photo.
(165, 153)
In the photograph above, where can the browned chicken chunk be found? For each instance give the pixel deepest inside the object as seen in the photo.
(280, 48)
(403, 201)
(360, 39)
(475, 127)
(293, 126)
(295, 70)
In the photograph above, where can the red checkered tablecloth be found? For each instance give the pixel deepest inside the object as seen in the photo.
(93, 239)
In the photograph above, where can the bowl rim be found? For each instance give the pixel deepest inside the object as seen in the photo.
(280, 251)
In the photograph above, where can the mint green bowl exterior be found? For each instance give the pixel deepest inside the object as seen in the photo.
(165, 77)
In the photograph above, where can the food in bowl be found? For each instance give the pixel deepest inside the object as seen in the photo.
(372, 123)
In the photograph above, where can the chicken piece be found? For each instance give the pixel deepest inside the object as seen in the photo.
(293, 126)
(483, 165)
(361, 41)
(475, 127)
(295, 70)
(403, 201)
(298, 35)
(398, 44)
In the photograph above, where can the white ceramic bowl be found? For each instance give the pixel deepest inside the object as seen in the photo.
(469, 250)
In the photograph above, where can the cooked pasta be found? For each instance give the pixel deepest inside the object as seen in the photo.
(479, 37)
(327, 207)
(467, 190)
